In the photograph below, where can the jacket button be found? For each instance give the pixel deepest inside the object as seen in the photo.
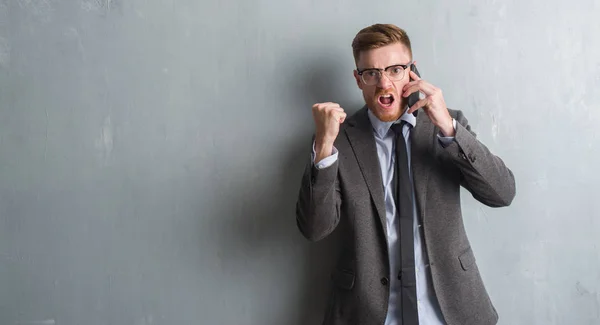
(400, 275)
(384, 281)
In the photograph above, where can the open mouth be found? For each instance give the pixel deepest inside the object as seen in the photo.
(386, 100)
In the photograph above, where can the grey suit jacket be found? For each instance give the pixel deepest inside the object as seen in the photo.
(348, 196)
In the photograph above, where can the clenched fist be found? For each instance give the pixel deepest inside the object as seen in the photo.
(328, 117)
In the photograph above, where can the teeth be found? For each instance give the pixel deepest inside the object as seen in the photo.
(387, 96)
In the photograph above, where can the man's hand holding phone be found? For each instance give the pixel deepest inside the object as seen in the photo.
(433, 104)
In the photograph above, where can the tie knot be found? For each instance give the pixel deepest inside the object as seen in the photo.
(397, 127)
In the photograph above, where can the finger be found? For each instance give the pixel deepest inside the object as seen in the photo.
(422, 103)
(342, 118)
(334, 111)
(409, 90)
(421, 85)
(325, 104)
(337, 113)
(414, 75)
(412, 83)
(331, 106)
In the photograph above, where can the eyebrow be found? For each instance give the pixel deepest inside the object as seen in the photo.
(393, 65)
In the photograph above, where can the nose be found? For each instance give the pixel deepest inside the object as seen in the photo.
(384, 82)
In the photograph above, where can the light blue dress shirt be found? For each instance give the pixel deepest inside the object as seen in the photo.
(428, 307)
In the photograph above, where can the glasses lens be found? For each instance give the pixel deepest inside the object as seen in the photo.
(395, 73)
(371, 77)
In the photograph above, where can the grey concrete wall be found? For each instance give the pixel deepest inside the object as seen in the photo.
(151, 150)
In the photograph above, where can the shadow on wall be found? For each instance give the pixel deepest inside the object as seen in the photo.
(326, 80)
(264, 227)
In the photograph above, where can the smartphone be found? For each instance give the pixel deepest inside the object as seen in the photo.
(414, 97)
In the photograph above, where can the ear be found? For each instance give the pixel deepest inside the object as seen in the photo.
(359, 82)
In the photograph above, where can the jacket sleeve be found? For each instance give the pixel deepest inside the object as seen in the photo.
(484, 175)
(318, 205)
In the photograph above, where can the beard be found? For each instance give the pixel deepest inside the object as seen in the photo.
(388, 108)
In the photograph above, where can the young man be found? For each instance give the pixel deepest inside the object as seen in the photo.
(388, 179)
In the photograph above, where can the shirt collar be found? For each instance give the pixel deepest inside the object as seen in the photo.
(382, 128)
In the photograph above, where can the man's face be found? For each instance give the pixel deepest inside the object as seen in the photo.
(377, 97)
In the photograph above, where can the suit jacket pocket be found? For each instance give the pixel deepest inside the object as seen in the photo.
(342, 304)
(343, 279)
(467, 259)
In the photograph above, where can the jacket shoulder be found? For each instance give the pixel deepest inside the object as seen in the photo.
(354, 118)
(455, 113)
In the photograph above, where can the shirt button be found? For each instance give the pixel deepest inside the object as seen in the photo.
(384, 281)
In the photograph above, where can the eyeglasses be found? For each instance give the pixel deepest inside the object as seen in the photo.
(394, 72)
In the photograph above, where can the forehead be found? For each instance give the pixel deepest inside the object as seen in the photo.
(384, 56)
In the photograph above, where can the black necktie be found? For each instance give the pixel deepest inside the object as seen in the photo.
(404, 207)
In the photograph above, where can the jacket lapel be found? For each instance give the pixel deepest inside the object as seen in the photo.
(421, 139)
(361, 138)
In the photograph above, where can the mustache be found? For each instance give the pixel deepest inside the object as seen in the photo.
(380, 92)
